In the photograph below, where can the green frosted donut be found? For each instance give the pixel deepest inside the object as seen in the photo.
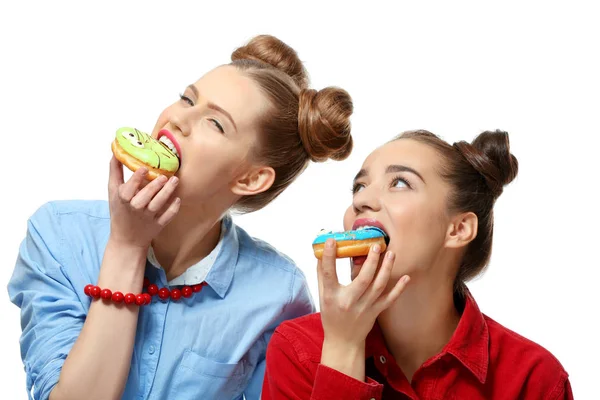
(147, 149)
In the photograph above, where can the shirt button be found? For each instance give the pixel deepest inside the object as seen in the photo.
(382, 359)
(151, 349)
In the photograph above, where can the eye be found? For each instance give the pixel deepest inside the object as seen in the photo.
(137, 143)
(217, 125)
(399, 183)
(357, 187)
(127, 135)
(187, 100)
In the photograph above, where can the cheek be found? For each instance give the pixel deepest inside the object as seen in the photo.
(348, 218)
(162, 120)
(417, 229)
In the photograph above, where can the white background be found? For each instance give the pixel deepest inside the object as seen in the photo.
(73, 72)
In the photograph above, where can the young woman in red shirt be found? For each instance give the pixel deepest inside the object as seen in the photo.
(407, 327)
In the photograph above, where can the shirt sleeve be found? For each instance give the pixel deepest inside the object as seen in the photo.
(52, 314)
(289, 377)
(563, 391)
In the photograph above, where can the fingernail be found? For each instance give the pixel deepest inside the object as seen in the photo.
(144, 171)
(376, 248)
(405, 278)
(329, 243)
(174, 180)
(390, 255)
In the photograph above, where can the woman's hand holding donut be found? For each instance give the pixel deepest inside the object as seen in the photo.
(139, 213)
(348, 313)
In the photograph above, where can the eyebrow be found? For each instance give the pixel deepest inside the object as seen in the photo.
(213, 106)
(390, 169)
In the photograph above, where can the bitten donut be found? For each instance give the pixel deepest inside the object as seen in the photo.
(136, 149)
(352, 243)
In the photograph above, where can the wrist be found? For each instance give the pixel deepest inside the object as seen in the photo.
(116, 244)
(123, 267)
(345, 357)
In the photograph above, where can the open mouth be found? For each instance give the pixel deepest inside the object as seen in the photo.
(168, 139)
(368, 223)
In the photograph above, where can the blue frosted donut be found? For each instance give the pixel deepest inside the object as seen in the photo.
(352, 243)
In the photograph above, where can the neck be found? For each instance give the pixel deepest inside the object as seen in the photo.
(420, 323)
(188, 238)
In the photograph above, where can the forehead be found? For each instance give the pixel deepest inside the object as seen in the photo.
(237, 94)
(407, 152)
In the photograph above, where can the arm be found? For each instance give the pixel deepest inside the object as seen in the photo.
(94, 360)
(98, 364)
(64, 351)
(288, 376)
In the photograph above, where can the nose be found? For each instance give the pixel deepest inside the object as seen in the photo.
(367, 199)
(180, 120)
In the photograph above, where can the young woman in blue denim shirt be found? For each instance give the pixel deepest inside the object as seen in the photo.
(244, 132)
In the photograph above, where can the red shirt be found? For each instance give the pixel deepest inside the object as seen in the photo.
(482, 360)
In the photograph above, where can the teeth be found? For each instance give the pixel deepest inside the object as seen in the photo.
(169, 144)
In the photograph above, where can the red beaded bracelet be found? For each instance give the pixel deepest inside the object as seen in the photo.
(145, 298)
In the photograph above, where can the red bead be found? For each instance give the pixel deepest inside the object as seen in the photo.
(117, 297)
(152, 289)
(197, 288)
(129, 298)
(176, 294)
(146, 282)
(147, 298)
(106, 294)
(187, 291)
(87, 289)
(204, 283)
(95, 292)
(140, 300)
(163, 293)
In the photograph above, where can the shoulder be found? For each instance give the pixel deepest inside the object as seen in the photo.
(259, 250)
(68, 223)
(533, 359)
(56, 210)
(304, 335)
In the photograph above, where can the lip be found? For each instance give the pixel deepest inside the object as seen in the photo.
(171, 137)
(358, 260)
(368, 222)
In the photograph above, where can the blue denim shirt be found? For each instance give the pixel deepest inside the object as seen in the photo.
(209, 346)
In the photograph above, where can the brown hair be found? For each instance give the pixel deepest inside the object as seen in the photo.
(301, 125)
(478, 172)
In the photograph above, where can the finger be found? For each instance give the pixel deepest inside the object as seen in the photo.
(144, 196)
(164, 194)
(320, 278)
(129, 188)
(381, 280)
(362, 282)
(170, 212)
(328, 274)
(115, 176)
(388, 299)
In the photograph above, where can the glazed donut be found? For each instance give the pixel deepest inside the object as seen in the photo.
(136, 149)
(352, 243)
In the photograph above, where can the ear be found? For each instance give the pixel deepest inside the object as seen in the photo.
(255, 181)
(462, 230)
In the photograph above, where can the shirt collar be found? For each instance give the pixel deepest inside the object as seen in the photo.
(469, 343)
(217, 268)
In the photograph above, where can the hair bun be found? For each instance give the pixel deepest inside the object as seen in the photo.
(324, 123)
(490, 155)
(268, 49)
